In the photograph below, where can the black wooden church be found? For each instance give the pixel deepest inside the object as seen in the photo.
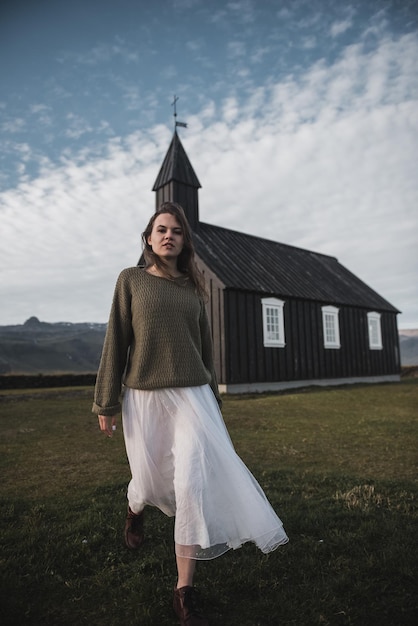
(281, 316)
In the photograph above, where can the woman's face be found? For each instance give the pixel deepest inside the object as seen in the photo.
(166, 239)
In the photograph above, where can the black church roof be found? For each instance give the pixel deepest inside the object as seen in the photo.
(250, 263)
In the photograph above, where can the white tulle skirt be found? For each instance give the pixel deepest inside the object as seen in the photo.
(183, 462)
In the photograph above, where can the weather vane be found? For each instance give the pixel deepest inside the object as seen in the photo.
(176, 123)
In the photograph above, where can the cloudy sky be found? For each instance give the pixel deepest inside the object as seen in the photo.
(302, 127)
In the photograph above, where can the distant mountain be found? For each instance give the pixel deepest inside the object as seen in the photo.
(408, 342)
(40, 348)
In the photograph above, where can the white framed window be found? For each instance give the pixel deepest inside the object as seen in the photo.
(375, 331)
(331, 327)
(273, 323)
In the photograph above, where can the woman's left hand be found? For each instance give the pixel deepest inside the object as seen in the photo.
(107, 424)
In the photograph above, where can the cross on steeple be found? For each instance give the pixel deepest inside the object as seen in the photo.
(173, 104)
(176, 123)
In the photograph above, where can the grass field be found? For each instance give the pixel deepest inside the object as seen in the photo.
(338, 465)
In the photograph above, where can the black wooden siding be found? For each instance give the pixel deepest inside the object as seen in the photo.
(215, 308)
(183, 194)
(304, 356)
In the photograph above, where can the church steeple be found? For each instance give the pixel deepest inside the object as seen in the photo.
(177, 182)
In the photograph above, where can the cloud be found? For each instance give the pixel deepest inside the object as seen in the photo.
(242, 10)
(337, 28)
(101, 54)
(236, 49)
(329, 166)
(309, 42)
(39, 108)
(77, 226)
(78, 126)
(258, 55)
(195, 45)
(185, 4)
(324, 160)
(15, 125)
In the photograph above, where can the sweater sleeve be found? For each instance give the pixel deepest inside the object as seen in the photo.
(207, 352)
(115, 351)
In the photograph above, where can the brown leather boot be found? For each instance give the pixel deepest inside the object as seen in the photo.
(134, 529)
(187, 608)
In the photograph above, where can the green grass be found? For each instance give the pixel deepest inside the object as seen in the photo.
(339, 466)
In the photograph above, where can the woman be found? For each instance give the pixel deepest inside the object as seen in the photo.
(181, 458)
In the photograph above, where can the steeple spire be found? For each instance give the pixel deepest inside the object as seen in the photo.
(177, 181)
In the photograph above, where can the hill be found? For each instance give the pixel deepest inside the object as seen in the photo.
(41, 348)
(408, 343)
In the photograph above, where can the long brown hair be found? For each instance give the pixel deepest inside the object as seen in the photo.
(186, 263)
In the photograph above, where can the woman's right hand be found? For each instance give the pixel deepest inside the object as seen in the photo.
(107, 424)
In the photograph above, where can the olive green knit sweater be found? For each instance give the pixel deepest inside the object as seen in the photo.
(158, 336)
